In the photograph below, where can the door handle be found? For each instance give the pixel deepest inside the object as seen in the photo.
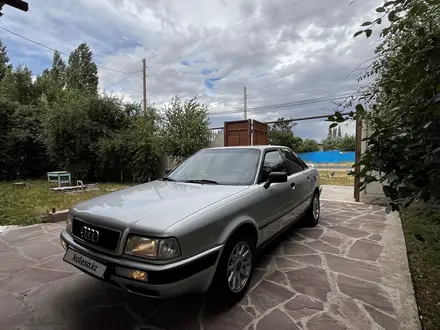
(293, 185)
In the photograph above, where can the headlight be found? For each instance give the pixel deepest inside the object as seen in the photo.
(159, 249)
(69, 222)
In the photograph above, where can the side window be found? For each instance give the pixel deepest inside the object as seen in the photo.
(273, 162)
(294, 164)
(304, 165)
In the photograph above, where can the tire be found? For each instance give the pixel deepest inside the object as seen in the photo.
(227, 292)
(311, 218)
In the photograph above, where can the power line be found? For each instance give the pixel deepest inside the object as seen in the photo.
(322, 90)
(121, 80)
(265, 29)
(53, 49)
(281, 105)
(304, 91)
(226, 29)
(287, 120)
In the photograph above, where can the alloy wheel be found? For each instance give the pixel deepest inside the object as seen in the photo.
(316, 207)
(239, 266)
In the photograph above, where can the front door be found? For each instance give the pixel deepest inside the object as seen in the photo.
(276, 199)
(300, 180)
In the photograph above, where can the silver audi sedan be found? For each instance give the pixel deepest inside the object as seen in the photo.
(199, 227)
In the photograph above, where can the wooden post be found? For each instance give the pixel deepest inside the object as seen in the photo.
(358, 153)
(144, 89)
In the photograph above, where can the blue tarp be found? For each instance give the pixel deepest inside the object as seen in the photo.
(333, 156)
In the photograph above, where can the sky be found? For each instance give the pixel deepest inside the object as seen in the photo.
(283, 51)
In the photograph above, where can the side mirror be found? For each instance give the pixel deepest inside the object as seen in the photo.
(275, 177)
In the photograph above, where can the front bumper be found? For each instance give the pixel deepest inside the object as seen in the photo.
(194, 274)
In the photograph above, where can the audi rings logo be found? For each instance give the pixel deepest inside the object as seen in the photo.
(89, 234)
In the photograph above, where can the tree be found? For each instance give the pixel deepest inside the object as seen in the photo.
(17, 86)
(58, 71)
(51, 83)
(309, 145)
(22, 152)
(82, 72)
(280, 133)
(347, 143)
(185, 128)
(282, 125)
(133, 151)
(330, 144)
(5, 66)
(401, 104)
(74, 126)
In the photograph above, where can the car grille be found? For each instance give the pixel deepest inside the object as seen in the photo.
(108, 238)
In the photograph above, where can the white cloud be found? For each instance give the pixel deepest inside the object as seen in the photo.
(312, 49)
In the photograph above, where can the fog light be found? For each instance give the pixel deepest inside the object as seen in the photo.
(135, 274)
(63, 244)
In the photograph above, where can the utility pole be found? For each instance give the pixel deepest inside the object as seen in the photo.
(245, 103)
(144, 76)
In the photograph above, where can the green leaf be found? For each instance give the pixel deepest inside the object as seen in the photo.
(378, 20)
(388, 191)
(389, 3)
(428, 160)
(360, 108)
(333, 125)
(368, 32)
(406, 50)
(421, 32)
(367, 23)
(392, 16)
(405, 192)
(380, 9)
(427, 125)
(358, 33)
(426, 196)
(391, 177)
(436, 150)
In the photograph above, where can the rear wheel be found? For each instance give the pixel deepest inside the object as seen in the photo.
(311, 218)
(234, 271)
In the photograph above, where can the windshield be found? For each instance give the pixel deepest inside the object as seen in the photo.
(235, 166)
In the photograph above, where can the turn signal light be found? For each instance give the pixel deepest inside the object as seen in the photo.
(135, 274)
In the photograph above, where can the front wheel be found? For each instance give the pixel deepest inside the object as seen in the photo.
(234, 271)
(311, 218)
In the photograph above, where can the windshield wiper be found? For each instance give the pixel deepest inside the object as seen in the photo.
(202, 181)
(168, 179)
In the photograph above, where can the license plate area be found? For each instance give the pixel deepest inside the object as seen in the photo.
(85, 263)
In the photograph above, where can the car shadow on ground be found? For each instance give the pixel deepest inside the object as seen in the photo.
(86, 303)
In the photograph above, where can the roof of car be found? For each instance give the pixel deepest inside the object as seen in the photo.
(260, 147)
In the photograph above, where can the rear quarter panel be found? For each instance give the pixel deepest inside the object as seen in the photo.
(212, 226)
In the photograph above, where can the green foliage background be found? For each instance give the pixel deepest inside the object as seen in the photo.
(61, 122)
(400, 105)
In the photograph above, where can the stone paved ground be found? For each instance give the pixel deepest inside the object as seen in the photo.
(350, 272)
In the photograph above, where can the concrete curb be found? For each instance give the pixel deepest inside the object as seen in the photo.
(57, 216)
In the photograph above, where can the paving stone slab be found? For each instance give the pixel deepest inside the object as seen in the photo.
(349, 272)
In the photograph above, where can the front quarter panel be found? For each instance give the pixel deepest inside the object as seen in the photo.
(212, 226)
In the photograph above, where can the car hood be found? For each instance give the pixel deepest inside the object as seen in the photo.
(151, 207)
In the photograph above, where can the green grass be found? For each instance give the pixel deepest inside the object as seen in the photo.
(27, 205)
(341, 178)
(422, 236)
